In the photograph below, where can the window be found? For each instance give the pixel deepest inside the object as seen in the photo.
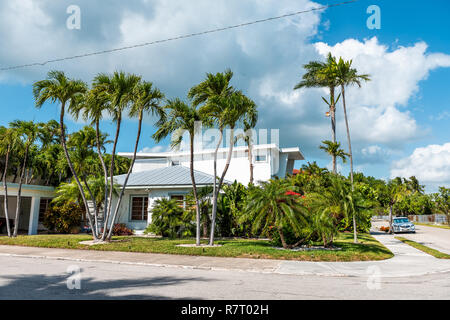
(44, 204)
(179, 199)
(261, 158)
(139, 207)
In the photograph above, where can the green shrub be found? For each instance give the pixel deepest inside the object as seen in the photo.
(120, 229)
(169, 220)
(64, 218)
(289, 236)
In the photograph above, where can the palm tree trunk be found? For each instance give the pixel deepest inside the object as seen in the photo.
(116, 210)
(250, 158)
(349, 140)
(5, 186)
(94, 204)
(19, 194)
(227, 165)
(215, 192)
(283, 241)
(69, 162)
(390, 218)
(105, 175)
(111, 178)
(194, 187)
(333, 124)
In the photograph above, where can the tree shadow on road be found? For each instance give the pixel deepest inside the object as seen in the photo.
(54, 287)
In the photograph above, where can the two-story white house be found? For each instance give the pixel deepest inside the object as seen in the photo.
(166, 174)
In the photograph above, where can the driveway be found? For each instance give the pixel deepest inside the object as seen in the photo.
(435, 238)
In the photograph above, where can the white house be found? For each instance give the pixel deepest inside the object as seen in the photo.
(34, 202)
(269, 161)
(167, 174)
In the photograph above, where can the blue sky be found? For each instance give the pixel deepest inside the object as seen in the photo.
(399, 120)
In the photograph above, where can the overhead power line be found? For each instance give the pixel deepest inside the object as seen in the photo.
(177, 37)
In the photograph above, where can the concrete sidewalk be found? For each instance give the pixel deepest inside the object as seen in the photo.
(408, 261)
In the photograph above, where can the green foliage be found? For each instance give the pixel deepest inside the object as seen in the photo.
(231, 218)
(63, 218)
(272, 205)
(169, 220)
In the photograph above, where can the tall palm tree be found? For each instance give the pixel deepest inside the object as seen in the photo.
(231, 110)
(182, 117)
(335, 151)
(209, 92)
(92, 108)
(323, 75)
(346, 75)
(58, 88)
(248, 138)
(8, 142)
(146, 99)
(119, 89)
(28, 131)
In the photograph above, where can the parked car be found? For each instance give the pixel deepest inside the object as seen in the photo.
(403, 225)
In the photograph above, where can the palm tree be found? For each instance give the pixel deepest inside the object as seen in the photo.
(328, 206)
(335, 151)
(236, 108)
(58, 88)
(94, 104)
(81, 149)
(146, 100)
(346, 75)
(119, 89)
(8, 141)
(248, 128)
(210, 92)
(28, 131)
(396, 192)
(182, 117)
(323, 75)
(271, 204)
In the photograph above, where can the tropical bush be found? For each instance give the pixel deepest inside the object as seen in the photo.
(64, 218)
(170, 220)
(273, 204)
(120, 229)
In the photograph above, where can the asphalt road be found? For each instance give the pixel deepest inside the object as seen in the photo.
(436, 238)
(432, 237)
(30, 278)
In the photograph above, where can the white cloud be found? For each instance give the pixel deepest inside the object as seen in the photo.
(375, 110)
(431, 165)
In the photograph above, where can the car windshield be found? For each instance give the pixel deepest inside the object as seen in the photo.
(401, 220)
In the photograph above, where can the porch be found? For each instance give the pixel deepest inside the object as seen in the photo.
(34, 202)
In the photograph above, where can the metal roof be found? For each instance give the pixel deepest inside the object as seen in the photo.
(167, 176)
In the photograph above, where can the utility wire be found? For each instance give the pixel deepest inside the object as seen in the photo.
(178, 37)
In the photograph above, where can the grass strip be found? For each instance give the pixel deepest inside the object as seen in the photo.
(368, 248)
(435, 253)
(432, 225)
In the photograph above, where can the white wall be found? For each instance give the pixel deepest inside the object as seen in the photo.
(124, 215)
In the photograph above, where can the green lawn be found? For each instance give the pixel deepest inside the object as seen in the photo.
(367, 249)
(432, 225)
(421, 247)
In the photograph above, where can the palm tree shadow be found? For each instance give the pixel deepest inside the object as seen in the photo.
(54, 287)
